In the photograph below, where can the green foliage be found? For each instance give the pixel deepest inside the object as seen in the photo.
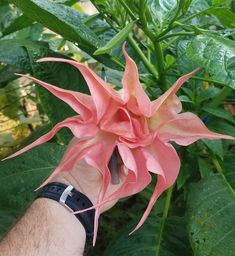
(214, 53)
(63, 20)
(166, 39)
(173, 243)
(211, 217)
(20, 177)
(22, 55)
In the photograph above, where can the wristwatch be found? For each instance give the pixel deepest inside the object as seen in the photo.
(73, 200)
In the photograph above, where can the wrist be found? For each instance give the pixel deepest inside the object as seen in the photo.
(73, 201)
(63, 225)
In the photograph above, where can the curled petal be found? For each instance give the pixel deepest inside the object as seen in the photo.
(101, 92)
(170, 164)
(98, 156)
(120, 123)
(133, 88)
(79, 102)
(187, 128)
(137, 178)
(156, 104)
(73, 123)
(167, 111)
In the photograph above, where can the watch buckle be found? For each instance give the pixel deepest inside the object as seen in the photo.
(67, 192)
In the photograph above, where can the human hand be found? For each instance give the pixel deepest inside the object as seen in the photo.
(88, 180)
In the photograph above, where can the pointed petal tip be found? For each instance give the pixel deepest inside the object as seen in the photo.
(45, 59)
(18, 74)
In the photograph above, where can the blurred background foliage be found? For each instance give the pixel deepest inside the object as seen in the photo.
(167, 38)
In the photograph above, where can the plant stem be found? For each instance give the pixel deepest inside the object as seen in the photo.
(196, 14)
(160, 65)
(142, 17)
(144, 59)
(175, 34)
(144, 22)
(164, 217)
(174, 25)
(129, 11)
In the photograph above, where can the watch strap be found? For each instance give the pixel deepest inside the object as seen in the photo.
(73, 200)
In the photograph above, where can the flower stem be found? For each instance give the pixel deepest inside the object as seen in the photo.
(144, 59)
(160, 65)
(164, 217)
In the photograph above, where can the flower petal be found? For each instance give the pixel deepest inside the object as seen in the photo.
(75, 151)
(119, 123)
(98, 157)
(156, 104)
(80, 102)
(137, 178)
(170, 164)
(73, 123)
(167, 111)
(133, 88)
(101, 92)
(187, 128)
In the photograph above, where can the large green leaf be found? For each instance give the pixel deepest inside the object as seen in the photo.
(8, 14)
(211, 223)
(229, 168)
(19, 23)
(163, 11)
(65, 21)
(61, 19)
(215, 54)
(226, 17)
(20, 176)
(145, 241)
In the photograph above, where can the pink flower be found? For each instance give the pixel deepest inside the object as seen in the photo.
(142, 131)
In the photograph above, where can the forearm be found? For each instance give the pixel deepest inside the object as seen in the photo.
(47, 228)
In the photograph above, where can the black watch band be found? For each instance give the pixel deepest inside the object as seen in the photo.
(73, 200)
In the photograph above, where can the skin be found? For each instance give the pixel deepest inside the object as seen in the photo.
(47, 228)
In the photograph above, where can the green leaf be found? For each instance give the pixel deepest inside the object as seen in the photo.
(8, 14)
(229, 168)
(231, 63)
(222, 127)
(215, 146)
(213, 53)
(216, 2)
(20, 176)
(61, 19)
(41, 130)
(117, 39)
(203, 167)
(19, 23)
(14, 55)
(144, 241)
(221, 113)
(211, 219)
(226, 17)
(163, 11)
(67, 22)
